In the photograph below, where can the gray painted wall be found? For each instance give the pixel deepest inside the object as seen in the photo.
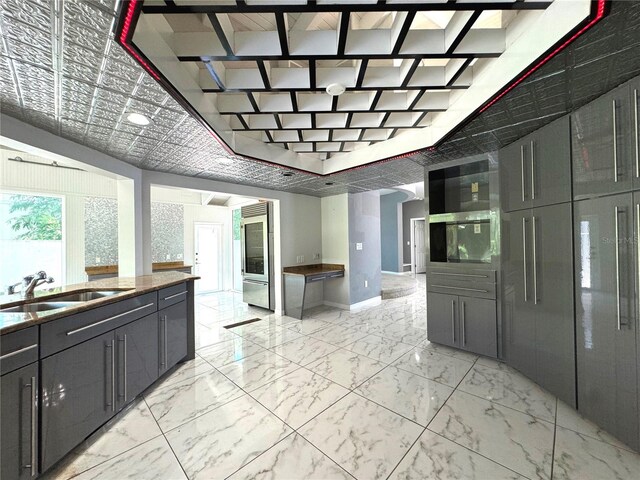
(391, 231)
(412, 209)
(365, 264)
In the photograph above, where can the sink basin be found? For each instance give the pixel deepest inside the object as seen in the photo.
(38, 307)
(86, 296)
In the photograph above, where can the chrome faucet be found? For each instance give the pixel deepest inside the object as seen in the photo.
(29, 283)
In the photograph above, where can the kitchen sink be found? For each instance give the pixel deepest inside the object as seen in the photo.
(38, 307)
(86, 296)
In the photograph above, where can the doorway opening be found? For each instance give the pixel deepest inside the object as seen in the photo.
(208, 257)
(418, 246)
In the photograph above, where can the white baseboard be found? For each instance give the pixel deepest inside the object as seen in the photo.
(370, 302)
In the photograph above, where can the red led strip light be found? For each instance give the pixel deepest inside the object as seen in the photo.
(124, 41)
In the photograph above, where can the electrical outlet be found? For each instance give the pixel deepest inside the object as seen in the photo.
(358, 246)
(168, 257)
(301, 258)
(366, 284)
(97, 259)
(316, 256)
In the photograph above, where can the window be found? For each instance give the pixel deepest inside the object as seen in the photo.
(31, 237)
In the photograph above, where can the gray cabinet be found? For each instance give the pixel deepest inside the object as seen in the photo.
(538, 313)
(79, 395)
(19, 421)
(137, 350)
(477, 320)
(605, 276)
(535, 170)
(602, 145)
(172, 335)
(463, 322)
(442, 325)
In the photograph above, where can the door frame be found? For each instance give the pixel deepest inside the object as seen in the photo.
(220, 252)
(412, 223)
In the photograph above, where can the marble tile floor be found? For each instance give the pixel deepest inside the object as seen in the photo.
(342, 395)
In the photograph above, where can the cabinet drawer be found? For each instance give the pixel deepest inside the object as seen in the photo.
(18, 349)
(66, 332)
(457, 287)
(318, 277)
(331, 275)
(172, 295)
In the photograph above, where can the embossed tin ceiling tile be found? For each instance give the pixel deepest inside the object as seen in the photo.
(88, 14)
(128, 73)
(80, 71)
(16, 30)
(26, 52)
(31, 13)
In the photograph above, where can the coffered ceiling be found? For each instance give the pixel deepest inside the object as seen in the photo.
(330, 85)
(61, 70)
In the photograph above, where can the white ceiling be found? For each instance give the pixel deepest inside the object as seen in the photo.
(255, 72)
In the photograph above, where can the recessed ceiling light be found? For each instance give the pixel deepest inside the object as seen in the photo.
(329, 183)
(335, 89)
(287, 174)
(138, 119)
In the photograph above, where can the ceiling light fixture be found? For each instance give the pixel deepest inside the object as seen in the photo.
(335, 89)
(287, 174)
(138, 119)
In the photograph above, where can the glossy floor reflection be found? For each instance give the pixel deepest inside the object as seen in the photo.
(341, 395)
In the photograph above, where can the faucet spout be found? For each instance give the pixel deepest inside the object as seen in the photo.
(30, 282)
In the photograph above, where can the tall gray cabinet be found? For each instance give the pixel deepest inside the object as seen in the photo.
(537, 259)
(606, 175)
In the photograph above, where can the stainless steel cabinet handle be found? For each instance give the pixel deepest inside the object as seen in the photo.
(166, 359)
(33, 386)
(535, 260)
(109, 347)
(461, 288)
(460, 275)
(113, 376)
(533, 172)
(175, 295)
(617, 239)
(453, 320)
(115, 317)
(162, 330)
(462, 317)
(522, 170)
(17, 352)
(124, 365)
(615, 143)
(635, 121)
(524, 256)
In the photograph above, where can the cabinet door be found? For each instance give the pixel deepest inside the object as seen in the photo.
(605, 336)
(601, 145)
(553, 292)
(442, 321)
(79, 391)
(519, 318)
(19, 420)
(634, 91)
(137, 357)
(515, 177)
(478, 328)
(172, 335)
(550, 162)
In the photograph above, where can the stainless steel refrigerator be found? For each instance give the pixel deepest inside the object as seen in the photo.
(256, 229)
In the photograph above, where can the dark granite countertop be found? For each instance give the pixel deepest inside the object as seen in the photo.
(130, 287)
(306, 270)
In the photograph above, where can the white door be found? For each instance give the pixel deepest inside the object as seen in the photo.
(208, 264)
(420, 253)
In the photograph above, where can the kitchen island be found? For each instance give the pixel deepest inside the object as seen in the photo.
(72, 357)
